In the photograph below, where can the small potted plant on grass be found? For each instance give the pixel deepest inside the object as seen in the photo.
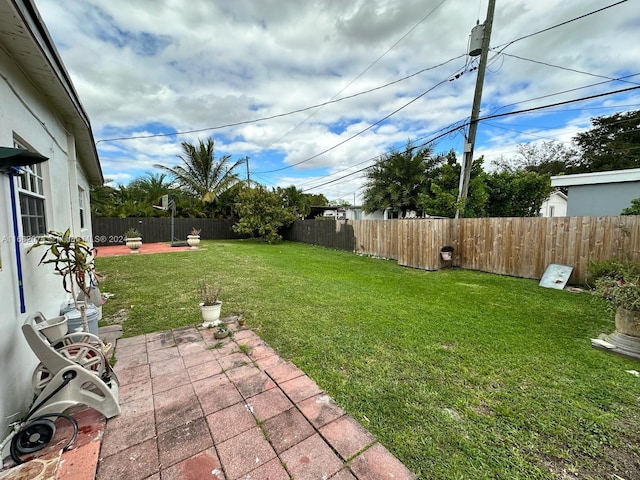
(446, 252)
(133, 239)
(193, 239)
(210, 306)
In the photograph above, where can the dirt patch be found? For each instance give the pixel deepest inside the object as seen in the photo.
(621, 462)
(117, 318)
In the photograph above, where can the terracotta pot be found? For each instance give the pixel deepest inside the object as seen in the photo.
(628, 322)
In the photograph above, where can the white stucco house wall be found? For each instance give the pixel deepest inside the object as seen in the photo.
(555, 205)
(39, 111)
(599, 193)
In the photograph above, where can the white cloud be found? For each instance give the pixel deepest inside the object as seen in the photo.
(171, 65)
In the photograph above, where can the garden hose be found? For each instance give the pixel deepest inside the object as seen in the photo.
(36, 434)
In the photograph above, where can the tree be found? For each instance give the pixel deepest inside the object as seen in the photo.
(294, 199)
(442, 197)
(151, 187)
(317, 199)
(550, 157)
(262, 214)
(396, 180)
(633, 209)
(516, 193)
(612, 144)
(103, 200)
(201, 174)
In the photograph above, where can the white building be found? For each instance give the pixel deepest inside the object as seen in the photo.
(599, 193)
(555, 205)
(39, 111)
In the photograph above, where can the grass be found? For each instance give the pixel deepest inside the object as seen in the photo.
(461, 374)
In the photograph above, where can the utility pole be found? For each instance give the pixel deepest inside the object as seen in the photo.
(246, 159)
(475, 113)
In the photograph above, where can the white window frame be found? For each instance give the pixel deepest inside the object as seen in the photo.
(30, 188)
(81, 207)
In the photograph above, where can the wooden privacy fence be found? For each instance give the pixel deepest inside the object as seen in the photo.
(110, 230)
(521, 247)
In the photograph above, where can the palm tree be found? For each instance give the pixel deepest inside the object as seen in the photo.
(201, 174)
(151, 187)
(397, 179)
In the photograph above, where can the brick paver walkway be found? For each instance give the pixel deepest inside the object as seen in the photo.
(194, 407)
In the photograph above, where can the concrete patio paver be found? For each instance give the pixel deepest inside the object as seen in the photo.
(229, 422)
(228, 413)
(183, 442)
(311, 459)
(269, 404)
(244, 453)
(194, 407)
(320, 410)
(287, 429)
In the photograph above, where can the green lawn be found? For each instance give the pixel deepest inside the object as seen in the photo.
(461, 374)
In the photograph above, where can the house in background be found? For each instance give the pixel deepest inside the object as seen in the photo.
(41, 114)
(599, 193)
(555, 205)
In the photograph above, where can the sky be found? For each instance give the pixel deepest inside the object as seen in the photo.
(314, 91)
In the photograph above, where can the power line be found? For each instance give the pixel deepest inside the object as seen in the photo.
(361, 73)
(361, 131)
(565, 91)
(292, 112)
(451, 129)
(448, 129)
(506, 45)
(488, 117)
(569, 69)
(557, 104)
(455, 126)
(320, 105)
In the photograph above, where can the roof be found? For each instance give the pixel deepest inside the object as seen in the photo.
(25, 37)
(558, 194)
(612, 176)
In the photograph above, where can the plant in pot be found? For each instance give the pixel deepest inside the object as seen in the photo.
(133, 239)
(193, 239)
(623, 293)
(210, 305)
(446, 252)
(221, 331)
(72, 258)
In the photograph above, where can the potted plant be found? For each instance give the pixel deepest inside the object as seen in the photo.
(133, 239)
(210, 306)
(221, 331)
(193, 239)
(72, 258)
(623, 293)
(446, 252)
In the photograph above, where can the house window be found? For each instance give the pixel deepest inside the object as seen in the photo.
(552, 210)
(31, 196)
(81, 206)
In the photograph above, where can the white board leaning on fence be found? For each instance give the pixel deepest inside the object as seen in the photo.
(556, 276)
